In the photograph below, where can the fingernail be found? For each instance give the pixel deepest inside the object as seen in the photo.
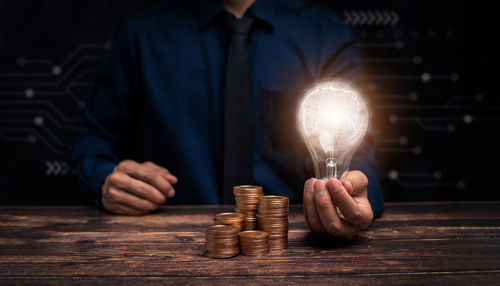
(171, 193)
(311, 182)
(170, 177)
(348, 186)
(319, 187)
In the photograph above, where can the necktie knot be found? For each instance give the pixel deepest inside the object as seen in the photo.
(240, 26)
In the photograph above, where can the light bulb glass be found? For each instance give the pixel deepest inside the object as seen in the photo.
(333, 119)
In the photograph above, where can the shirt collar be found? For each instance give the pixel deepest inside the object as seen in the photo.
(262, 10)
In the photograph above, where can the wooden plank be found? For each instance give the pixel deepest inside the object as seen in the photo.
(412, 242)
(403, 211)
(49, 224)
(417, 278)
(171, 259)
(29, 216)
(19, 236)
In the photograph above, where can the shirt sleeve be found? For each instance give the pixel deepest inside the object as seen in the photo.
(92, 147)
(345, 63)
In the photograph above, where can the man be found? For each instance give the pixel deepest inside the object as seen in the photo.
(209, 90)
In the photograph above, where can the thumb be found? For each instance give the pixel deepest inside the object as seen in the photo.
(348, 187)
(358, 182)
(344, 201)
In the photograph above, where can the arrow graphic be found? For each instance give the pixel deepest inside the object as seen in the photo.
(395, 18)
(387, 19)
(380, 18)
(56, 168)
(347, 17)
(371, 18)
(363, 18)
(50, 167)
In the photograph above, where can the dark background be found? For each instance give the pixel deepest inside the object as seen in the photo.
(430, 72)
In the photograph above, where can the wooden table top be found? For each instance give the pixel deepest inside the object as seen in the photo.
(416, 243)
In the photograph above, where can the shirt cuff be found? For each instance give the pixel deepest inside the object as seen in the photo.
(376, 199)
(97, 179)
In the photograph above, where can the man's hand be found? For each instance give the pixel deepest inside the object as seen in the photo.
(340, 209)
(133, 188)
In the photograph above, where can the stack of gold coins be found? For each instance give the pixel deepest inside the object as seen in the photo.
(254, 242)
(247, 202)
(222, 241)
(273, 219)
(235, 219)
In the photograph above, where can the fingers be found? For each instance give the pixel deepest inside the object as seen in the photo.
(358, 181)
(310, 212)
(304, 204)
(171, 179)
(134, 188)
(137, 188)
(344, 201)
(147, 174)
(320, 212)
(125, 210)
(130, 201)
(164, 172)
(329, 218)
(110, 197)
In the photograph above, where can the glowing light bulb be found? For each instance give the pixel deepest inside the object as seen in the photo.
(333, 119)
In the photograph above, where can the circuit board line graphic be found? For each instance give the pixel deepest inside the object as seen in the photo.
(415, 90)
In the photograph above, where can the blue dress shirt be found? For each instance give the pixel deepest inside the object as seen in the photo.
(158, 98)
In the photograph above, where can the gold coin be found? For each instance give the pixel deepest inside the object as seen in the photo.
(220, 229)
(247, 203)
(218, 256)
(272, 218)
(254, 242)
(222, 241)
(247, 189)
(255, 234)
(273, 205)
(229, 216)
(275, 200)
(234, 219)
(253, 211)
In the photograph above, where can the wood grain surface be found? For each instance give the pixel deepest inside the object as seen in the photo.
(413, 243)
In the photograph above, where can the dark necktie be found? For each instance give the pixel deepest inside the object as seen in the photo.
(237, 161)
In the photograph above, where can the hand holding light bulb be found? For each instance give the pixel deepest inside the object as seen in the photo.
(338, 208)
(333, 119)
